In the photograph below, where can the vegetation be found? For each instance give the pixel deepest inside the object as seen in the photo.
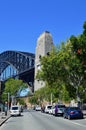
(21, 101)
(64, 70)
(12, 86)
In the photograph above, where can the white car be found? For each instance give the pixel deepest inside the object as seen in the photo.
(15, 110)
(58, 109)
(51, 110)
(38, 108)
(47, 108)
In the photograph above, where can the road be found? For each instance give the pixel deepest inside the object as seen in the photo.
(33, 120)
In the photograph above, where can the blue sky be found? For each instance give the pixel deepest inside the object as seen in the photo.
(22, 22)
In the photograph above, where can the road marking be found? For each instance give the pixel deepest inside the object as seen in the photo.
(79, 124)
(74, 122)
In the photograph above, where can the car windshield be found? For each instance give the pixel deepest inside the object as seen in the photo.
(74, 108)
(37, 106)
(14, 108)
(49, 107)
(61, 106)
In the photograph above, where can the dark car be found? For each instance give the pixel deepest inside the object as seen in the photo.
(72, 113)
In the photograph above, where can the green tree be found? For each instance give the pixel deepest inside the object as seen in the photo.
(33, 100)
(79, 46)
(21, 101)
(66, 65)
(49, 69)
(11, 87)
(79, 49)
(63, 67)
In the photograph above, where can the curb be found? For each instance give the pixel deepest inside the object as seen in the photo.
(2, 122)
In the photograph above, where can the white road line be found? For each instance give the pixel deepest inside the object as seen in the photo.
(78, 124)
(74, 122)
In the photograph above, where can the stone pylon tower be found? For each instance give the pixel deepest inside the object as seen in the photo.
(44, 46)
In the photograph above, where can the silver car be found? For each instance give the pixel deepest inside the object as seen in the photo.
(15, 110)
(58, 109)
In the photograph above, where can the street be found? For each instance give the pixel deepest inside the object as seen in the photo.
(33, 120)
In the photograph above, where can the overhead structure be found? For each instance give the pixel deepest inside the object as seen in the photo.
(24, 65)
(14, 63)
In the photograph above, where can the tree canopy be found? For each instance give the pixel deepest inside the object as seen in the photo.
(12, 86)
(66, 65)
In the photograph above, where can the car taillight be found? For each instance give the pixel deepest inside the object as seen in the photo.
(72, 112)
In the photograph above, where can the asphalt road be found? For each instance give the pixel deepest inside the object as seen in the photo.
(33, 120)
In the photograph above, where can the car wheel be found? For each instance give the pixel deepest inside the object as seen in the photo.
(55, 114)
(82, 117)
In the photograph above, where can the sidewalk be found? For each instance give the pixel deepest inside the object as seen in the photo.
(3, 118)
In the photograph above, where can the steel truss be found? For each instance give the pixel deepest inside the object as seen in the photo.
(21, 61)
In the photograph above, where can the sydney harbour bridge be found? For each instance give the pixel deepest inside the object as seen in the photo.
(18, 65)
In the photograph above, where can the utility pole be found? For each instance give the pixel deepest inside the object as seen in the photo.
(51, 98)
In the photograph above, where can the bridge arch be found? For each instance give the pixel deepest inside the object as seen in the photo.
(22, 62)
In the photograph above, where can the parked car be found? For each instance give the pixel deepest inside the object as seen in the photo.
(58, 109)
(84, 109)
(47, 108)
(21, 108)
(38, 108)
(73, 112)
(15, 110)
(43, 109)
(51, 110)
